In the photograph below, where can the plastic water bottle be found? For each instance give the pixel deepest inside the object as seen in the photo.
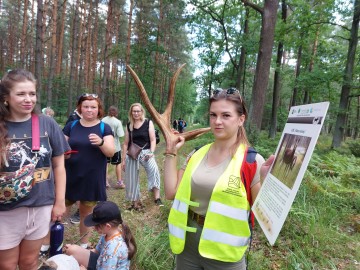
(56, 238)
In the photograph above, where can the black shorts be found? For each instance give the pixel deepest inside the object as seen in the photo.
(92, 260)
(115, 159)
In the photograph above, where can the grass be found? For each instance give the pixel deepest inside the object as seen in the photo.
(322, 230)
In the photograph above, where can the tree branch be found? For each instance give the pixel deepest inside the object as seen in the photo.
(254, 6)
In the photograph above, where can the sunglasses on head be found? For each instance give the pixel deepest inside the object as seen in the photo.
(230, 91)
(90, 95)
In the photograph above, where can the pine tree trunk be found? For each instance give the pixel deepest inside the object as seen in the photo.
(107, 48)
(31, 46)
(24, 35)
(87, 65)
(81, 50)
(127, 56)
(79, 56)
(74, 45)
(52, 54)
(60, 32)
(94, 47)
(39, 47)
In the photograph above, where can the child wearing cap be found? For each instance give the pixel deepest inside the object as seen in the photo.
(116, 245)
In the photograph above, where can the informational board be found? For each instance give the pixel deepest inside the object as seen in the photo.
(292, 157)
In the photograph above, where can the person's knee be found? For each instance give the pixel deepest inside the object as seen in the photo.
(28, 262)
(9, 258)
(8, 264)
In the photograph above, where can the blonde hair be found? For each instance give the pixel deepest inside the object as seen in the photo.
(49, 112)
(131, 119)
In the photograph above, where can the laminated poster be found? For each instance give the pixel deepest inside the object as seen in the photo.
(292, 157)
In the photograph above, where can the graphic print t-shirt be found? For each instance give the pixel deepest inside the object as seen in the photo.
(19, 155)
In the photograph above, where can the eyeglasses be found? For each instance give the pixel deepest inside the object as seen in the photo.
(230, 91)
(90, 95)
(136, 111)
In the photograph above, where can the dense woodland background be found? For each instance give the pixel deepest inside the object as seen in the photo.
(279, 53)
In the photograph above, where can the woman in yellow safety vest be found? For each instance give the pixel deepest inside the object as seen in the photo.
(209, 219)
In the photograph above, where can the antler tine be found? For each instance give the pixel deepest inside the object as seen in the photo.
(171, 94)
(192, 134)
(159, 119)
(143, 94)
(163, 120)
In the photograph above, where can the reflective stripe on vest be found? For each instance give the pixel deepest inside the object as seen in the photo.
(225, 238)
(180, 206)
(177, 232)
(229, 211)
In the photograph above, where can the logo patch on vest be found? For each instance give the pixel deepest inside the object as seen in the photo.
(233, 186)
(234, 182)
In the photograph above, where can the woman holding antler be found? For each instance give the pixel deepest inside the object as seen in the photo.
(140, 131)
(209, 220)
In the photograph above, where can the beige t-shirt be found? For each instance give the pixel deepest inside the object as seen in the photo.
(204, 179)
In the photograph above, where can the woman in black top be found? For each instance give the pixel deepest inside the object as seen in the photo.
(140, 131)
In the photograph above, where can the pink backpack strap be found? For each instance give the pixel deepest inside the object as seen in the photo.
(35, 132)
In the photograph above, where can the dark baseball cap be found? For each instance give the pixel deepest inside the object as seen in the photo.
(103, 212)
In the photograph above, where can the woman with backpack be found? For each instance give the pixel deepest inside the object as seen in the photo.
(211, 210)
(91, 142)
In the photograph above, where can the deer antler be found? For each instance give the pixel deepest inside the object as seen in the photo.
(163, 120)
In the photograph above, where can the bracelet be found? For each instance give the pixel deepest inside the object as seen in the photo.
(169, 155)
(102, 142)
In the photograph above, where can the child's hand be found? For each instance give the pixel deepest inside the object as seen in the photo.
(69, 249)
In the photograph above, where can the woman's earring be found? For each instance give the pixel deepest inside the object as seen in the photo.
(6, 103)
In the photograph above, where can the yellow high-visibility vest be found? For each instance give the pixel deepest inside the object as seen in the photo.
(226, 233)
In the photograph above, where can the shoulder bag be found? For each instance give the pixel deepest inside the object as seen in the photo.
(134, 149)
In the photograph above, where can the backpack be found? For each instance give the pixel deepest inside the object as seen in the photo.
(181, 124)
(102, 126)
(248, 170)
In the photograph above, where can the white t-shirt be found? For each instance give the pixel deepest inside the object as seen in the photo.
(117, 129)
